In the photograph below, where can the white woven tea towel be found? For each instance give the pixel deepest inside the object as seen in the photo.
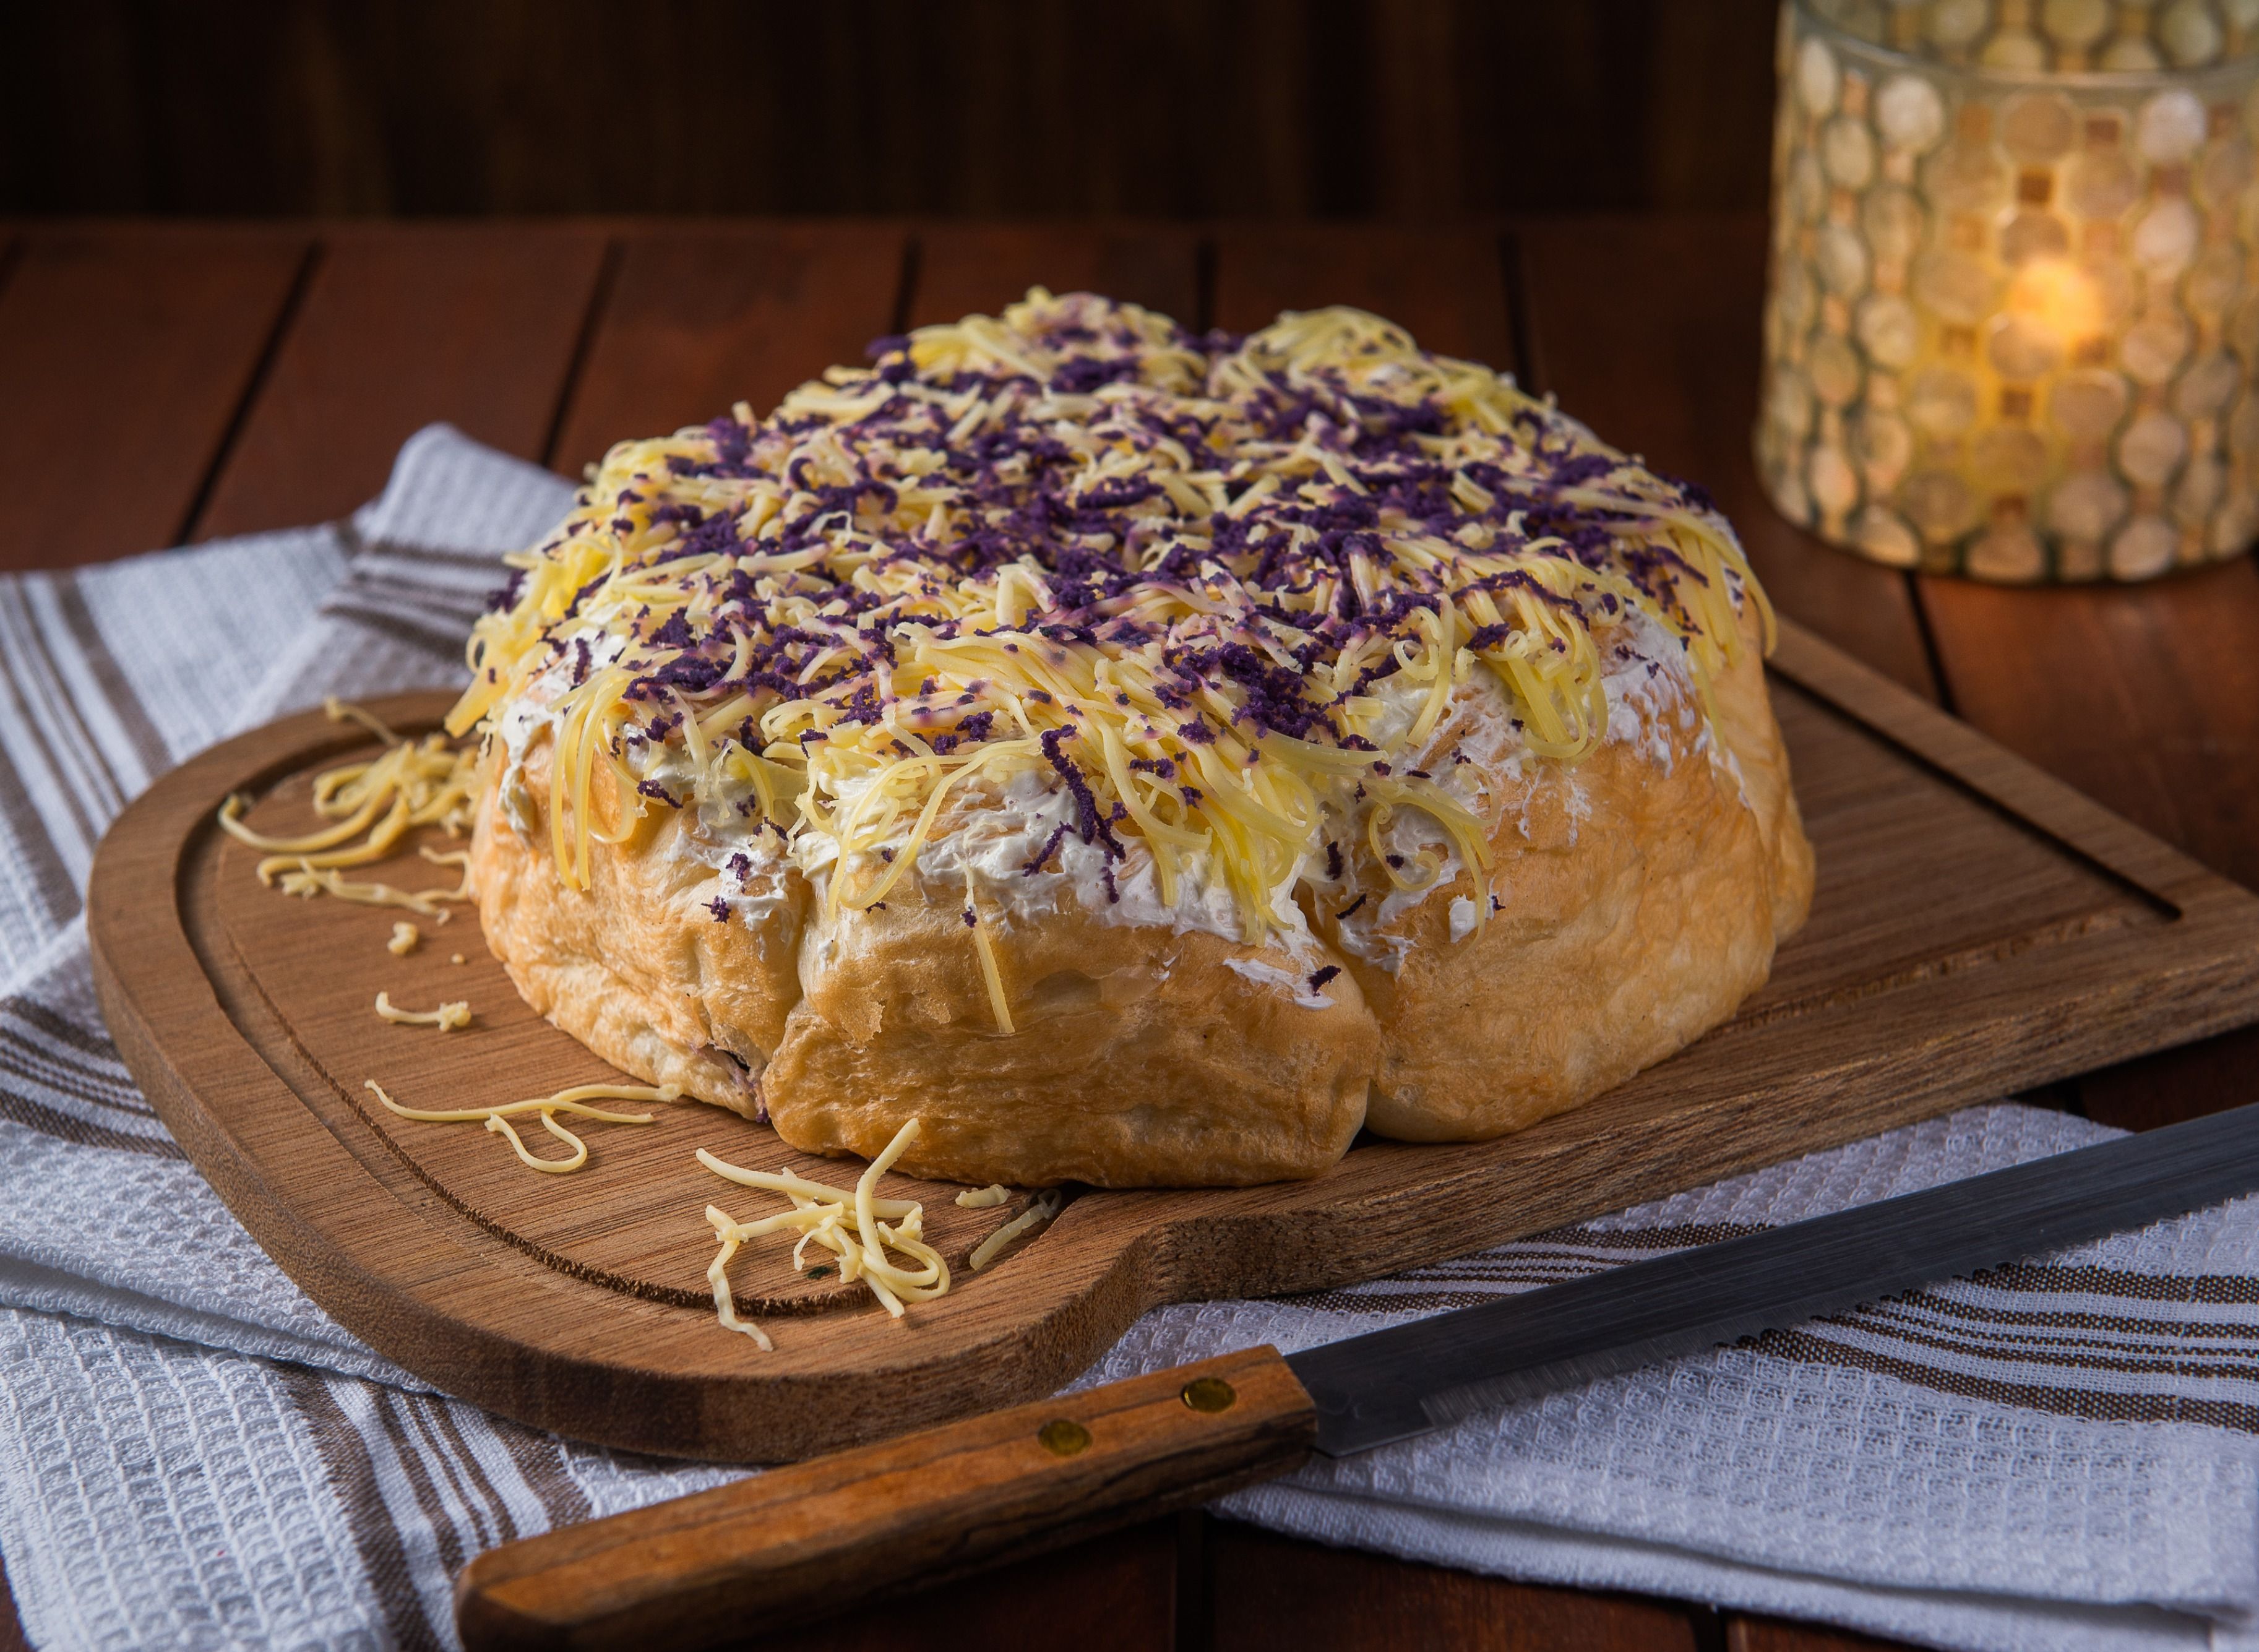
(2062, 1455)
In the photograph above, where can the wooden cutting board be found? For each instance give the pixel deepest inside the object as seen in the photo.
(1978, 928)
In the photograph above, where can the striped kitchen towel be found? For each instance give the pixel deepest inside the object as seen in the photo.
(2059, 1455)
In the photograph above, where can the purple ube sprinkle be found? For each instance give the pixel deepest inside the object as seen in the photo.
(1295, 577)
(1043, 856)
(505, 597)
(1090, 826)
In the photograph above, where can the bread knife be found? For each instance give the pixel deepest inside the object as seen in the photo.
(795, 1542)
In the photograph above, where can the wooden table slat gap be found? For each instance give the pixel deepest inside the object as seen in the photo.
(1452, 300)
(1529, 364)
(262, 369)
(11, 254)
(584, 341)
(2144, 696)
(403, 326)
(906, 284)
(1925, 625)
(700, 315)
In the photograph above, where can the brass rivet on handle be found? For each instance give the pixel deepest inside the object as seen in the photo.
(1209, 1393)
(1062, 1438)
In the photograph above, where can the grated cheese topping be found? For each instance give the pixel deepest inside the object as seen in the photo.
(984, 1197)
(406, 937)
(446, 1018)
(574, 1099)
(1202, 594)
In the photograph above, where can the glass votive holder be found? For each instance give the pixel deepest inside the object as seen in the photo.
(2014, 306)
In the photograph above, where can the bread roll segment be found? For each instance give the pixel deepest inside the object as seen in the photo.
(1143, 759)
(1139, 1055)
(1638, 902)
(636, 966)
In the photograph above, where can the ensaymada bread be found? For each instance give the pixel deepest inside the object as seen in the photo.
(1145, 759)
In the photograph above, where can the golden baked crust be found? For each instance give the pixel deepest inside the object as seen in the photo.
(635, 966)
(1139, 1057)
(1638, 904)
(1143, 759)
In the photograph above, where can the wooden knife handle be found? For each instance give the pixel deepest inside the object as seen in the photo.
(795, 1542)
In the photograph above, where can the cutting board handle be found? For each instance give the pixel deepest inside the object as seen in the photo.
(795, 1542)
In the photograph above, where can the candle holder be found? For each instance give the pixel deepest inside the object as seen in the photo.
(2013, 305)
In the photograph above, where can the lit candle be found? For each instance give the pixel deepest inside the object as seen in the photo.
(2014, 306)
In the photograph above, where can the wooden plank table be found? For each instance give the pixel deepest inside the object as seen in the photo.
(238, 378)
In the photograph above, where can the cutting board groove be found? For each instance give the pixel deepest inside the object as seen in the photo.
(1978, 928)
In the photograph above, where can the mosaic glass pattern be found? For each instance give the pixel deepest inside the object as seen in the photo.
(2014, 308)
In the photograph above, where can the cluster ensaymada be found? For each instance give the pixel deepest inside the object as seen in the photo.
(1145, 757)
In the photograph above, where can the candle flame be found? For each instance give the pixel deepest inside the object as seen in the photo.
(2060, 295)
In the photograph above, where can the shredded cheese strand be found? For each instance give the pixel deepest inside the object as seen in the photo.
(1074, 543)
(852, 1225)
(986, 949)
(308, 882)
(1047, 1204)
(574, 1099)
(717, 1275)
(414, 783)
(448, 1018)
(344, 711)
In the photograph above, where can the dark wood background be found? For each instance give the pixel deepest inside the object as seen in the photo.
(253, 376)
(1384, 108)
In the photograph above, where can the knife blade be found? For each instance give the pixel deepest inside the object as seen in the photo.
(797, 1542)
(1387, 1386)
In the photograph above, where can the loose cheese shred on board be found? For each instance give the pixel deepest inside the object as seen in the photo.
(1046, 1206)
(449, 1016)
(344, 711)
(852, 1225)
(717, 1275)
(573, 1101)
(375, 803)
(406, 937)
(462, 860)
(307, 882)
(984, 1197)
